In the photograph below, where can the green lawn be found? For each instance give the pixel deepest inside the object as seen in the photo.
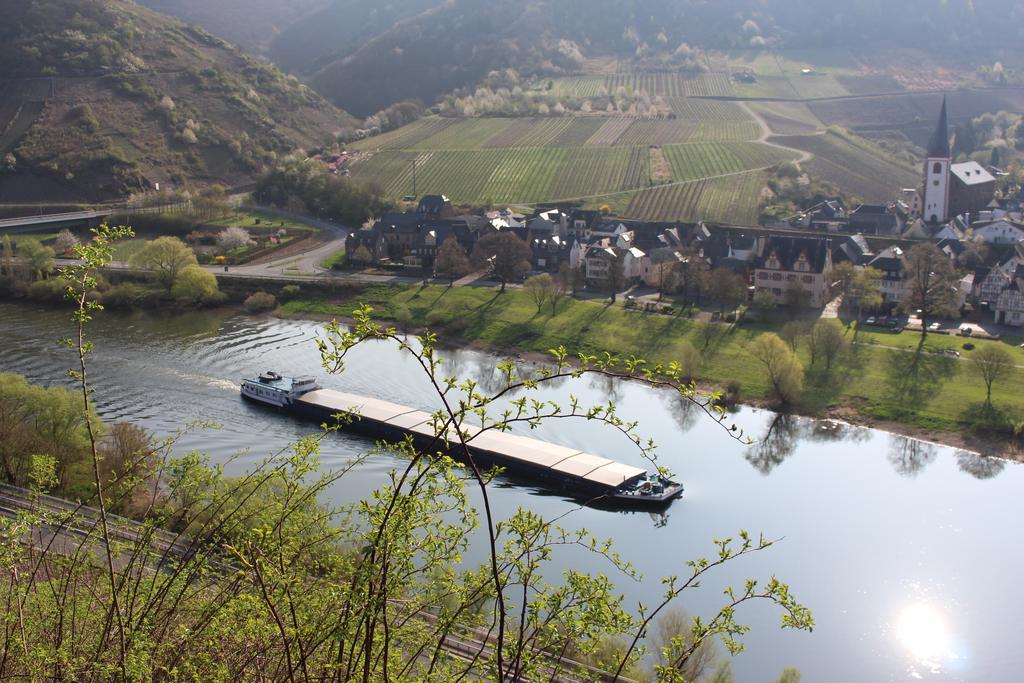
(245, 217)
(334, 259)
(930, 391)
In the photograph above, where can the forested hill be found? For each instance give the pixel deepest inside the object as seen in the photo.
(365, 56)
(101, 98)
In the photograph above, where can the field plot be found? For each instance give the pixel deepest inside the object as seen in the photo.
(870, 85)
(648, 132)
(609, 132)
(528, 133)
(595, 171)
(816, 85)
(787, 118)
(892, 112)
(708, 85)
(523, 175)
(662, 83)
(667, 203)
(735, 200)
(18, 124)
(585, 86)
(577, 134)
(705, 159)
(855, 165)
(886, 111)
(406, 136)
(465, 134)
(768, 86)
(689, 109)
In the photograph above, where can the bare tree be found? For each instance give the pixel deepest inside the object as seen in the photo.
(540, 288)
(451, 261)
(785, 374)
(992, 363)
(827, 339)
(932, 284)
(507, 256)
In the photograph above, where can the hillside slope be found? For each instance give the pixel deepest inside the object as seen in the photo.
(102, 98)
(365, 55)
(250, 24)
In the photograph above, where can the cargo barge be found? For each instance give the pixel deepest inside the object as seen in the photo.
(600, 480)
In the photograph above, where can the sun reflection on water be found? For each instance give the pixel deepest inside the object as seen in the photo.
(922, 631)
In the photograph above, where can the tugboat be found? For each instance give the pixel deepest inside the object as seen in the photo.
(604, 482)
(278, 391)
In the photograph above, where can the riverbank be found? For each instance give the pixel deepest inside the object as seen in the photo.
(878, 382)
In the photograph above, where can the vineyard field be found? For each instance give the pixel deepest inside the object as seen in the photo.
(655, 83)
(735, 200)
(690, 109)
(701, 160)
(855, 165)
(816, 85)
(610, 132)
(589, 172)
(787, 118)
(538, 174)
(708, 85)
(406, 136)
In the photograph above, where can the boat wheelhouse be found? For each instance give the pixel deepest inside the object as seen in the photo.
(277, 390)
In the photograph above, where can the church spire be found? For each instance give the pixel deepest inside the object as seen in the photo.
(938, 146)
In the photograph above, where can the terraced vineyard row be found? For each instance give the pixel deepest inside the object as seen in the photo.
(535, 174)
(593, 171)
(529, 133)
(856, 166)
(666, 203)
(725, 200)
(690, 109)
(608, 133)
(708, 85)
(657, 83)
(406, 136)
(702, 160)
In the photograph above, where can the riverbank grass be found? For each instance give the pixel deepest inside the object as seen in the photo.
(926, 391)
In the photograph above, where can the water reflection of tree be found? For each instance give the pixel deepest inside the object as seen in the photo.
(979, 466)
(827, 430)
(610, 388)
(910, 456)
(684, 412)
(777, 444)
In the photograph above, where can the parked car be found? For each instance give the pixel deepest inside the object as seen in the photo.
(935, 327)
(870, 321)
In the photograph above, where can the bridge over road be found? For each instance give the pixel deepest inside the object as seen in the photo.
(53, 220)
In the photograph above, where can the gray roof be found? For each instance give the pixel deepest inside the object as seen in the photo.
(971, 173)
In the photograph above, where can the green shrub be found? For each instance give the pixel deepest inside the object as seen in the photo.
(732, 391)
(289, 292)
(124, 295)
(48, 291)
(261, 302)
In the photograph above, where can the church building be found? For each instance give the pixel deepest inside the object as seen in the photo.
(952, 189)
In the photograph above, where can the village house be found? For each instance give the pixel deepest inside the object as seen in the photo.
(876, 219)
(794, 266)
(1002, 231)
(892, 262)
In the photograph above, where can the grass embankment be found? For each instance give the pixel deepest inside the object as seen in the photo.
(924, 392)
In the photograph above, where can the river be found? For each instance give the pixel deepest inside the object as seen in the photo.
(906, 552)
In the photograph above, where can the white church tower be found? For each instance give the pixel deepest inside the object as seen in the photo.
(936, 174)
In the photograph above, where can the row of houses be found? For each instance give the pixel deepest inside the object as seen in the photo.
(615, 254)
